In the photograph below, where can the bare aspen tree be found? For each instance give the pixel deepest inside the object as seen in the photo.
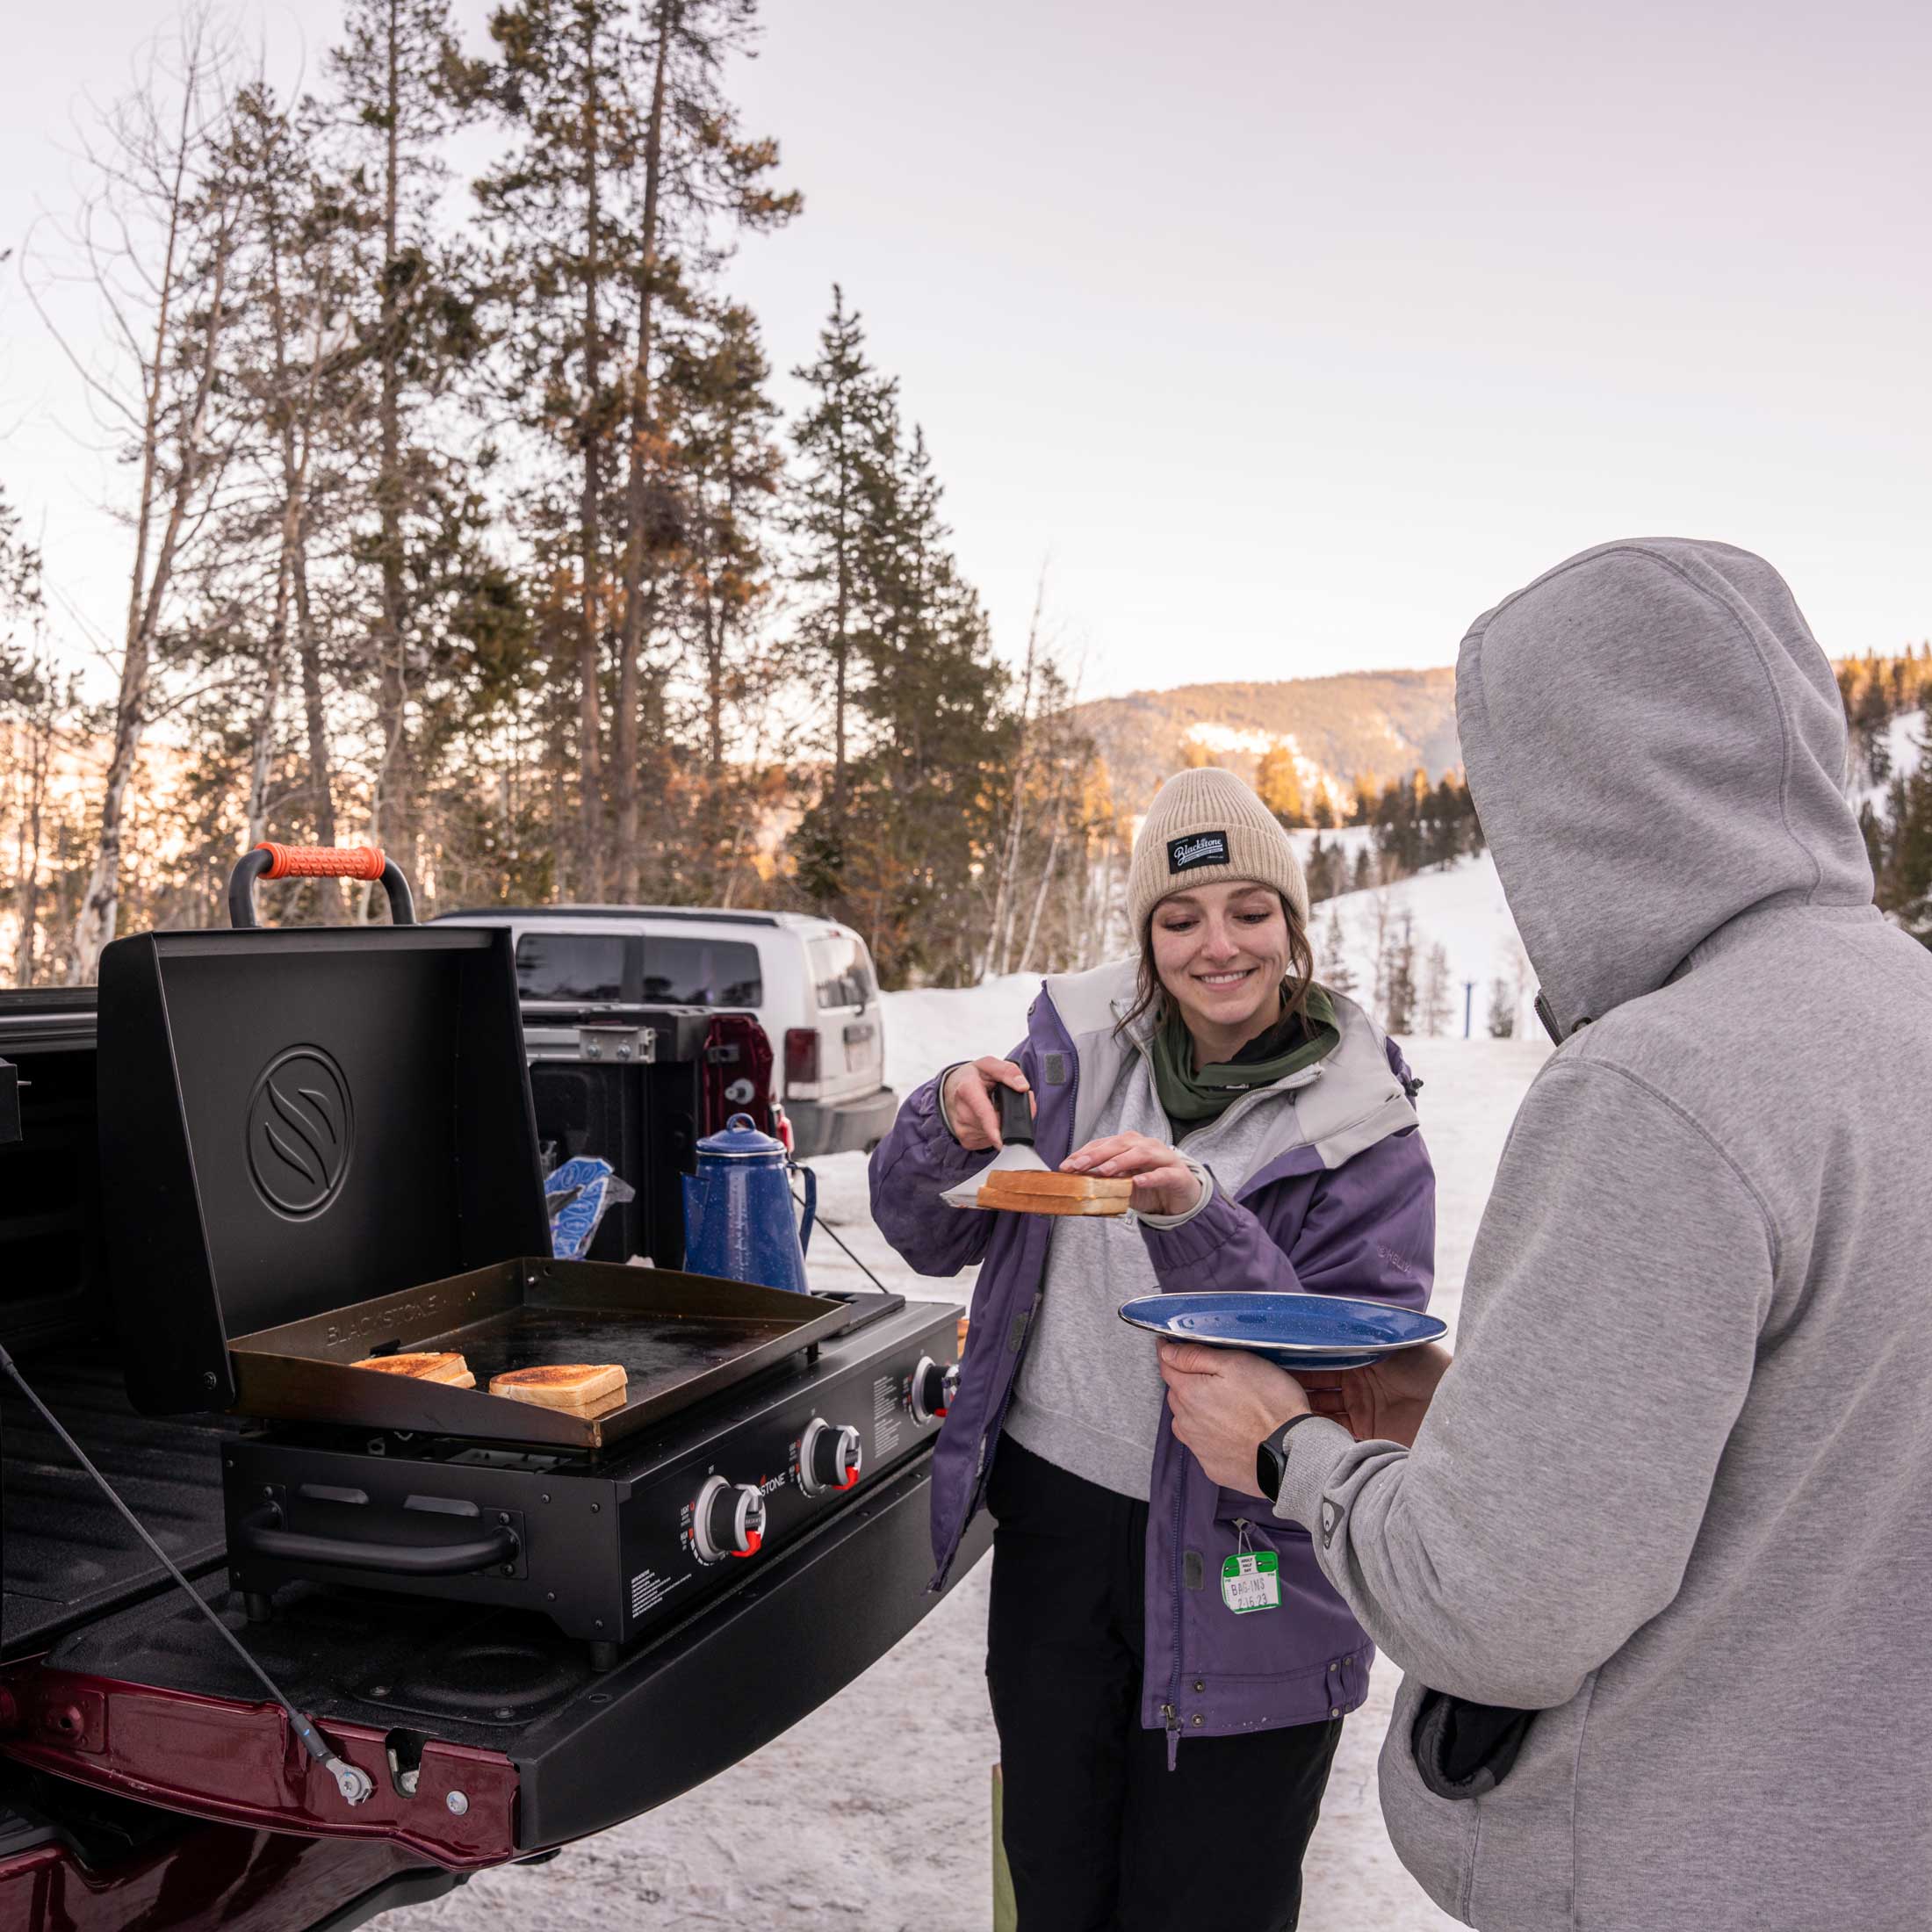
(999, 938)
(154, 238)
(302, 383)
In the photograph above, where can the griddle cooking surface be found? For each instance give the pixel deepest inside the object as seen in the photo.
(680, 1339)
(657, 1353)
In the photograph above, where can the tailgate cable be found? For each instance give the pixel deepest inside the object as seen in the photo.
(353, 1783)
(854, 1258)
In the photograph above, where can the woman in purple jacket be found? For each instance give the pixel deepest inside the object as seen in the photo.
(1268, 1127)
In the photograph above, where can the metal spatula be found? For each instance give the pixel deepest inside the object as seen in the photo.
(1016, 1148)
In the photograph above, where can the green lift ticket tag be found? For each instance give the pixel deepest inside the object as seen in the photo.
(1249, 1581)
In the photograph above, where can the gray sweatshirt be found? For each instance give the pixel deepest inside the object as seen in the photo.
(1675, 1493)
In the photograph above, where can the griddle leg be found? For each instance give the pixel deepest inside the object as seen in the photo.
(257, 1606)
(603, 1657)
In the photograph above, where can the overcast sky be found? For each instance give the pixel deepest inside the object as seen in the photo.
(1291, 337)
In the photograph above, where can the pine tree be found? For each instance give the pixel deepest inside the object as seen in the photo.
(922, 813)
(1333, 969)
(843, 494)
(1502, 1009)
(405, 87)
(1400, 1000)
(1438, 1005)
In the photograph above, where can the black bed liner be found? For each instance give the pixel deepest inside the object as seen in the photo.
(69, 1555)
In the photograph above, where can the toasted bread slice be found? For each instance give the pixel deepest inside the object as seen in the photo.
(578, 1388)
(1046, 1204)
(1055, 1195)
(1031, 1180)
(451, 1369)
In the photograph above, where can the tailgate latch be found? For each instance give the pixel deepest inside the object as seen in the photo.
(635, 1046)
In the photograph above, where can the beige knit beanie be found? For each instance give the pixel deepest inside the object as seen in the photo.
(1203, 827)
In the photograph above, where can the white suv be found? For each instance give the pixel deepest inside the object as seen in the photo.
(809, 981)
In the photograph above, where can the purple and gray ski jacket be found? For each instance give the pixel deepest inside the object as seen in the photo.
(1342, 1202)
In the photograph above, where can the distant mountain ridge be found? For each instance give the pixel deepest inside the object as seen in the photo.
(1380, 724)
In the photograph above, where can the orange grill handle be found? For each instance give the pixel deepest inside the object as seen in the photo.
(322, 861)
(269, 861)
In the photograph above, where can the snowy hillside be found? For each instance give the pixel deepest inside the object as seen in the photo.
(1463, 910)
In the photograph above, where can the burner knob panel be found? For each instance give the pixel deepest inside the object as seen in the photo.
(828, 1458)
(728, 1519)
(933, 1389)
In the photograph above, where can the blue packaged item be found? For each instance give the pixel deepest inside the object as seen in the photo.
(576, 1193)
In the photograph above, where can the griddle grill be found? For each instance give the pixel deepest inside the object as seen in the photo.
(318, 1146)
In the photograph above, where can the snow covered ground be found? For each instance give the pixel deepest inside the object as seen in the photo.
(874, 1814)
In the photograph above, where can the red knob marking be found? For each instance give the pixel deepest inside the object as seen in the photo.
(848, 1479)
(752, 1544)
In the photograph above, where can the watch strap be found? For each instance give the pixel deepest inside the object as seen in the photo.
(1270, 1463)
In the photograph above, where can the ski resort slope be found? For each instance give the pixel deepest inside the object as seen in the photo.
(874, 1815)
(1459, 908)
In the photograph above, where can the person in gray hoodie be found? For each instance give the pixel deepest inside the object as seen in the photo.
(1658, 1564)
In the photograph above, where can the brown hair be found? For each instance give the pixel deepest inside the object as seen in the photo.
(1148, 993)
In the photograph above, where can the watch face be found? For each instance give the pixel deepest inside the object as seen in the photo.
(1267, 1469)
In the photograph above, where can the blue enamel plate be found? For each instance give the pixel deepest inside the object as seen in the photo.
(1323, 1331)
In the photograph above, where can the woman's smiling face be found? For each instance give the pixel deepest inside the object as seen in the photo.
(1221, 952)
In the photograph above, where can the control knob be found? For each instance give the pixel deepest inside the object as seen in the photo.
(828, 1458)
(933, 1389)
(728, 1519)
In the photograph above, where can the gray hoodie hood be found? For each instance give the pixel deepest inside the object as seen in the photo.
(1656, 743)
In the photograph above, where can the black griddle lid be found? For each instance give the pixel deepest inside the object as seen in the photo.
(295, 1120)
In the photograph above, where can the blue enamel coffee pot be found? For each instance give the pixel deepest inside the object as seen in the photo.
(737, 1220)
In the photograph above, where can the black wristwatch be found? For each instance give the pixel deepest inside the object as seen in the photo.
(1271, 1459)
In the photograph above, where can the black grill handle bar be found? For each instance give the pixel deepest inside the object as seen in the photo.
(354, 1784)
(262, 1535)
(279, 861)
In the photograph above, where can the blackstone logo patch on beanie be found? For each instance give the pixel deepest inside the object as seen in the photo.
(1197, 848)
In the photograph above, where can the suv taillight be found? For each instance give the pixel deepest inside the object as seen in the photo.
(801, 1056)
(736, 1073)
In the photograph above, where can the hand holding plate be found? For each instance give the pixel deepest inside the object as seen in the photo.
(1225, 1403)
(1388, 1400)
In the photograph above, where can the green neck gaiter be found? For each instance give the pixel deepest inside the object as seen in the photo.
(1189, 1095)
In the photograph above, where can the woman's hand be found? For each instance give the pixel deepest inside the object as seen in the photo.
(1164, 1183)
(1388, 1400)
(966, 1094)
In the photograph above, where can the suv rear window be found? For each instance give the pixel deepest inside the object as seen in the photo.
(689, 971)
(677, 970)
(843, 972)
(571, 965)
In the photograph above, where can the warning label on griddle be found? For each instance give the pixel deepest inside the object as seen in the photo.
(888, 1417)
(648, 1589)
